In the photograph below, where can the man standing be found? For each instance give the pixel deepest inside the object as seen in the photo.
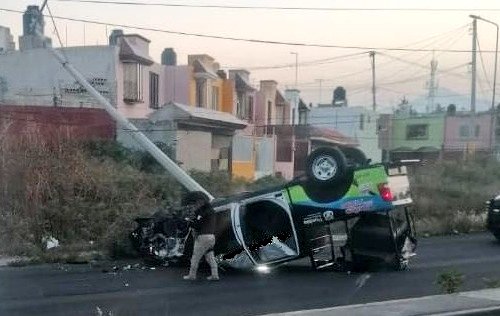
(203, 225)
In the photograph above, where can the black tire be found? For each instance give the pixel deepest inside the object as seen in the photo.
(320, 194)
(326, 156)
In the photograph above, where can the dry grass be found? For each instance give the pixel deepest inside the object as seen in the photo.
(450, 196)
(83, 194)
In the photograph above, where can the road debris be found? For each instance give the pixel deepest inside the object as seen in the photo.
(50, 242)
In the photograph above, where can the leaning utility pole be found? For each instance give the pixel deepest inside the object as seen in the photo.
(374, 89)
(473, 66)
(180, 175)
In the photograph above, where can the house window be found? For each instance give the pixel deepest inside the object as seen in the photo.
(215, 98)
(477, 131)
(132, 82)
(417, 131)
(269, 110)
(240, 113)
(250, 108)
(302, 117)
(153, 90)
(362, 122)
(200, 93)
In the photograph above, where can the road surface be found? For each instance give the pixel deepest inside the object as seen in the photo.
(90, 290)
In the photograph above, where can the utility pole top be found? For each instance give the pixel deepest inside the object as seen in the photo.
(43, 5)
(473, 65)
(374, 89)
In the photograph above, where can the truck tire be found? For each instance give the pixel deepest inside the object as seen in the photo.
(322, 194)
(326, 166)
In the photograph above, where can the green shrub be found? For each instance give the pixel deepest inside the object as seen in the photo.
(450, 281)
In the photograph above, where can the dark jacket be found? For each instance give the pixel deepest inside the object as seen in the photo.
(204, 220)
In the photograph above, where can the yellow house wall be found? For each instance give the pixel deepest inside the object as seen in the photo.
(244, 169)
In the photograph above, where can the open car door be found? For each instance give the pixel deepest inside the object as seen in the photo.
(265, 227)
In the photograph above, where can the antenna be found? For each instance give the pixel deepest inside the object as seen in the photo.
(432, 86)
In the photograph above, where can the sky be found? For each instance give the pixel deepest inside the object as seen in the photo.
(399, 74)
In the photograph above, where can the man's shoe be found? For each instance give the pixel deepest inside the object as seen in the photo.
(189, 277)
(213, 278)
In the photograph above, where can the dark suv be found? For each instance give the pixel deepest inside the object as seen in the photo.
(493, 222)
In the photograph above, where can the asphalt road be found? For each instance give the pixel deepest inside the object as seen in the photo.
(86, 290)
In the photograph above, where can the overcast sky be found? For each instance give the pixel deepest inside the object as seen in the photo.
(443, 30)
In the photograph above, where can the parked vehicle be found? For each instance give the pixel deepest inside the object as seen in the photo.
(344, 211)
(493, 221)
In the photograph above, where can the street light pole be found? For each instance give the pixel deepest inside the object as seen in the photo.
(476, 17)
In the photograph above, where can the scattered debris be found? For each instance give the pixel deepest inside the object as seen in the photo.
(50, 242)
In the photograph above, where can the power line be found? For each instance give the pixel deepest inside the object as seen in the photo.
(250, 40)
(306, 63)
(232, 7)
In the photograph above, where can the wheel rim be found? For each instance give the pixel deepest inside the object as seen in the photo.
(324, 168)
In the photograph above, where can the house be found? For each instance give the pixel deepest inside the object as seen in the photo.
(7, 43)
(433, 135)
(123, 72)
(417, 136)
(468, 132)
(356, 122)
(200, 83)
(249, 151)
(196, 137)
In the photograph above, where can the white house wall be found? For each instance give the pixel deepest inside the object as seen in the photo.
(34, 77)
(347, 121)
(194, 150)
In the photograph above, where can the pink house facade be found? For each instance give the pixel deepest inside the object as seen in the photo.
(463, 131)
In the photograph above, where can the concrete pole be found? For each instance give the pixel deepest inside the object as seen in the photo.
(473, 66)
(374, 88)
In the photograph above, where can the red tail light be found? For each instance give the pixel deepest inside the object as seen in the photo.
(385, 192)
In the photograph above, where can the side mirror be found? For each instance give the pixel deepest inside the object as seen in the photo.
(488, 203)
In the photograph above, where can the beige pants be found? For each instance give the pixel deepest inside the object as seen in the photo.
(203, 246)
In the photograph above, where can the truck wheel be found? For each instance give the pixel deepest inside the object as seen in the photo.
(322, 194)
(326, 166)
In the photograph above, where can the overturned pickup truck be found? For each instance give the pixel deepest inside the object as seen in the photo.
(344, 211)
